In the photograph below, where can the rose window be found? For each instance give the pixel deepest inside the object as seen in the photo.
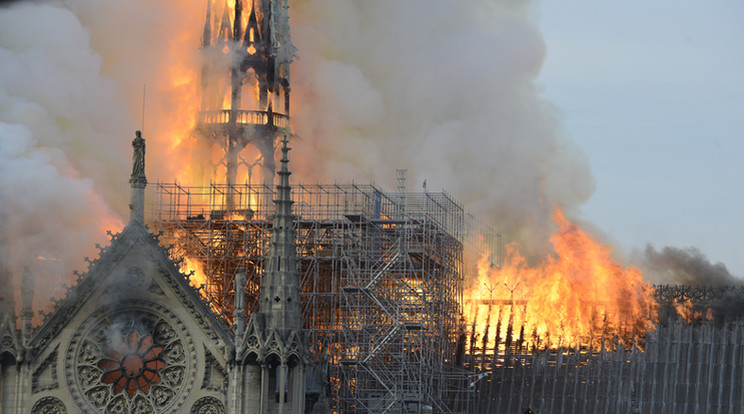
(131, 360)
(133, 366)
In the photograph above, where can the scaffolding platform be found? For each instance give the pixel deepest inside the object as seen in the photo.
(381, 276)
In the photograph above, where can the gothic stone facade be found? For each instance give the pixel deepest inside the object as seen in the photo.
(132, 336)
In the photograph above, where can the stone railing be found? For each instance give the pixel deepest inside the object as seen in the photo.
(242, 117)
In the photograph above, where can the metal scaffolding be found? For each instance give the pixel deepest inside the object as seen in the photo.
(381, 274)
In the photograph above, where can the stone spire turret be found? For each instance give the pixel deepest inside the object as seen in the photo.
(272, 353)
(207, 34)
(280, 291)
(245, 83)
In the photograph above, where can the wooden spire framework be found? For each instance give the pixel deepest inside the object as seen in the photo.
(245, 84)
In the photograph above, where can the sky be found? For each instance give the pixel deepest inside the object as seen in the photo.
(653, 92)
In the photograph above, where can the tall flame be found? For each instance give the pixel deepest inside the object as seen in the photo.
(577, 297)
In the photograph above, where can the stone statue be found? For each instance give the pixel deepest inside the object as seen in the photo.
(138, 158)
(240, 291)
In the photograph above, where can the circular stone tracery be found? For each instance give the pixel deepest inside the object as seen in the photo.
(137, 358)
(133, 365)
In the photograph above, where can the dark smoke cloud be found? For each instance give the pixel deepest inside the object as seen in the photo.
(689, 266)
(8, 2)
(730, 305)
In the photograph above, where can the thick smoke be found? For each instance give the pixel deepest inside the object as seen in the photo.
(71, 84)
(444, 88)
(57, 156)
(687, 266)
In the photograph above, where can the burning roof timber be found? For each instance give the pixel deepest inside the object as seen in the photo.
(690, 363)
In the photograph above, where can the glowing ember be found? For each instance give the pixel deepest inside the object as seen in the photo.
(579, 296)
(685, 310)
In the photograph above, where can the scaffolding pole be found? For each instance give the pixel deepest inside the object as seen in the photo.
(382, 282)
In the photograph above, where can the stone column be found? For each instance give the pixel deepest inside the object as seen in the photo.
(282, 386)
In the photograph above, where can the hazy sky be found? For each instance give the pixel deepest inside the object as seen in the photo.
(654, 93)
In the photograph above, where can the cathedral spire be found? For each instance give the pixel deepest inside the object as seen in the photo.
(281, 284)
(245, 83)
(207, 35)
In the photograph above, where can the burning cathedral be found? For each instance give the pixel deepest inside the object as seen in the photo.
(278, 298)
(133, 335)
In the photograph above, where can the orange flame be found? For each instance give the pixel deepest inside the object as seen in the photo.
(182, 154)
(577, 297)
(198, 277)
(684, 309)
(689, 314)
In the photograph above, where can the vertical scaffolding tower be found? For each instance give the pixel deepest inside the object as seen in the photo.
(382, 279)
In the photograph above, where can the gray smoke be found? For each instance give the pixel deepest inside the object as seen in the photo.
(57, 153)
(688, 266)
(444, 88)
(71, 85)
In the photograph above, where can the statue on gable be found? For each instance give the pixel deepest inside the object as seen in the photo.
(138, 157)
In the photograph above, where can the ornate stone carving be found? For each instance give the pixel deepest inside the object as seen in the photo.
(49, 405)
(215, 375)
(134, 279)
(6, 342)
(209, 328)
(208, 405)
(156, 289)
(135, 358)
(8, 335)
(135, 275)
(45, 376)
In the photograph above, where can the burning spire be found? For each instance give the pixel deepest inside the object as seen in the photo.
(245, 83)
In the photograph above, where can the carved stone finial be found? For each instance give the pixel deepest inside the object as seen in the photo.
(240, 291)
(27, 296)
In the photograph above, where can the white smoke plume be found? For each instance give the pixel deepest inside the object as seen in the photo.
(57, 154)
(443, 88)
